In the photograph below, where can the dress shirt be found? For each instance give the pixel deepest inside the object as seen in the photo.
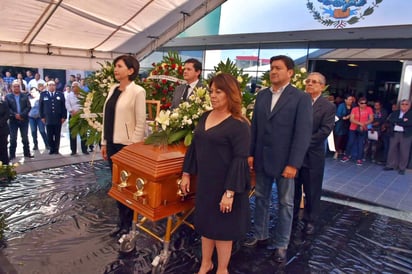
(275, 96)
(72, 102)
(191, 88)
(17, 98)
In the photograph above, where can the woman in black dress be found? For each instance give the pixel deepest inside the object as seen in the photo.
(218, 156)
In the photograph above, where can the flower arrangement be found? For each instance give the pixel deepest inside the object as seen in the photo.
(248, 98)
(8, 172)
(178, 124)
(163, 78)
(88, 122)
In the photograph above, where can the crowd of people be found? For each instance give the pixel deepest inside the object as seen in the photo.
(41, 104)
(366, 131)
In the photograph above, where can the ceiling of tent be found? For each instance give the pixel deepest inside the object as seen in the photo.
(80, 33)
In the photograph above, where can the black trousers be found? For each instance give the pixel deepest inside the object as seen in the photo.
(53, 137)
(311, 179)
(4, 154)
(125, 213)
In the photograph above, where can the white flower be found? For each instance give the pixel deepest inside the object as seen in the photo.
(163, 118)
(303, 70)
(239, 79)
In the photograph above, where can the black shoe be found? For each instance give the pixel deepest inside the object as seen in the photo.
(51, 152)
(29, 156)
(35, 148)
(280, 255)
(73, 153)
(387, 168)
(401, 172)
(253, 242)
(309, 229)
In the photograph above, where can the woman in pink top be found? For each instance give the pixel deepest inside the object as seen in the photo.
(360, 118)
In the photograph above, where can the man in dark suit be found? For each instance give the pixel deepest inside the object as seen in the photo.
(311, 173)
(281, 130)
(401, 137)
(53, 113)
(19, 106)
(191, 73)
(4, 131)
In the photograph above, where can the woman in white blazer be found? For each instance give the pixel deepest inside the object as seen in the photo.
(124, 120)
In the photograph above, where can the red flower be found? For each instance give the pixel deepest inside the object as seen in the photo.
(164, 81)
(153, 64)
(166, 73)
(163, 99)
(171, 88)
(173, 66)
(164, 91)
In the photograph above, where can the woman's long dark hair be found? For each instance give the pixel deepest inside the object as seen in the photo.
(229, 84)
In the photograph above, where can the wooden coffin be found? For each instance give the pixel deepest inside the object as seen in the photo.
(145, 179)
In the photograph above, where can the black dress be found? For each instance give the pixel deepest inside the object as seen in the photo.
(218, 156)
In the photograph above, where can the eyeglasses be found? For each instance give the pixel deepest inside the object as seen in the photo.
(307, 81)
(362, 103)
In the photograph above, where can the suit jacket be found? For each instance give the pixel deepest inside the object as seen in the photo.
(280, 137)
(4, 117)
(52, 108)
(405, 122)
(178, 93)
(24, 106)
(323, 123)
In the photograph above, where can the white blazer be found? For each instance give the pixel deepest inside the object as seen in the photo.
(130, 115)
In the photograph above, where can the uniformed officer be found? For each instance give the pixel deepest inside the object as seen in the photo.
(53, 113)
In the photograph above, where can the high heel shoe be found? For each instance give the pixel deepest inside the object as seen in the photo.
(210, 269)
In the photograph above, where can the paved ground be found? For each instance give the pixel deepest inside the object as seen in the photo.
(42, 159)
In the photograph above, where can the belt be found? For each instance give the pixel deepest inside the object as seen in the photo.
(398, 131)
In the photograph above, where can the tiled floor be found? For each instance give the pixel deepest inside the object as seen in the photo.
(369, 183)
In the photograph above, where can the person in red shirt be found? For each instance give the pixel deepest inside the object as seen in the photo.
(360, 117)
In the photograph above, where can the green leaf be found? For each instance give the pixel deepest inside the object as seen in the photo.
(188, 139)
(177, 136)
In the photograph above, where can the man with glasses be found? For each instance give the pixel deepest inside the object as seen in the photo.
(19, 106)
(311, 173)
(401, 137)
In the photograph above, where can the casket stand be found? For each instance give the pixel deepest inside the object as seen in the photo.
(146, 179)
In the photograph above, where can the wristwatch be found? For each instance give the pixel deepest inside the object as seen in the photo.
(229, 194)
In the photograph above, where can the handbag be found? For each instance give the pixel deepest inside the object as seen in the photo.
(373, 135)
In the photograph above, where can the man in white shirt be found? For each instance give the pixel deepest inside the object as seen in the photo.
(73, 107)
(35, 82)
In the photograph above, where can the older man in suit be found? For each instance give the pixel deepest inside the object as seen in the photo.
(281, 130)
(401, 137)
(311, 173)
(191, 73)
(19, 106)
(53, 113)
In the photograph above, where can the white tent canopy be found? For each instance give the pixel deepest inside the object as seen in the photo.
(77, 34)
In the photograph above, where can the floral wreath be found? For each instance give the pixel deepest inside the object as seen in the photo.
(89, 121)
(341, 23)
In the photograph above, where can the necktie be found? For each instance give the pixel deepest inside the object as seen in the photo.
(185, 93)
